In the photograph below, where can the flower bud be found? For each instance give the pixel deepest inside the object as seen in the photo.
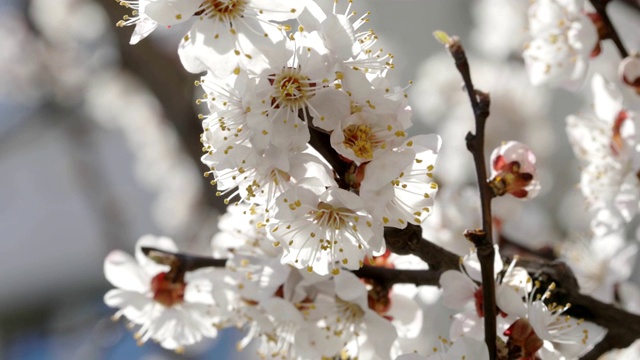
(513, 171)
(629, 71)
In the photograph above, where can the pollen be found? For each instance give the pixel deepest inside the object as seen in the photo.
(361, 140)
(224, 11)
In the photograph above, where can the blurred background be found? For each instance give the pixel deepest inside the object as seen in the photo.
(99, 144)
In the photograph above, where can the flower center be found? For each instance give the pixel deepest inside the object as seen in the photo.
(509, 178)
(361, 140)
(351, 313)
(166, 292)
(292, 88)
(330, 217)
(224, 10)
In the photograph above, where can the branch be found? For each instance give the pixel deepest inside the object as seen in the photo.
(633, 4)
(623, 327)
(321, 142)
(388, 277)
(611, 33)
(384, 276)
(482, 239)
(409, 241)
(184, 261)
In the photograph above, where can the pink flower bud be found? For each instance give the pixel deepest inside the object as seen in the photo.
(513, 171)
(629, 71)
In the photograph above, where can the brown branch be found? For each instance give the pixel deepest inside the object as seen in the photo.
(385, 276)
(633, 4)
(482, 239)
(389, 277)
(611, 33)
(184, 261)
(321, 142)
(409, 241)
(623, 327)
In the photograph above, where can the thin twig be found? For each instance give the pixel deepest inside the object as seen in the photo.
(385, 276)
(185, 261)
(482, 239)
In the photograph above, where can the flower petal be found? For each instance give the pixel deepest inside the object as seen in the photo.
(123, 272)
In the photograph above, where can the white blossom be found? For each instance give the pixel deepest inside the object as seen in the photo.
(172, 309)
(563, 39)
(323, 230)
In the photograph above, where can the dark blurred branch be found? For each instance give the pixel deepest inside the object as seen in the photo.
(510, 248)
(611, 33)
(170, 83)
(634, 4)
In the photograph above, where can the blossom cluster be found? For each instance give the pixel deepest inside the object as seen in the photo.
(308, 138)
(270, 103)
(307, 141)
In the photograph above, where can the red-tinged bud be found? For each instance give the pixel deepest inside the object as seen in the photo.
(166, 292)
(513, 171)
(629, 71)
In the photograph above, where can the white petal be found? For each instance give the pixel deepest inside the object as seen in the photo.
(509, 301)
(339, 36)
(386, 168)
(143, 28)
(122, 271)
(158, 242)
(406, 314)
(539, 317)
(467, 324)
(411, 357)
(133, 304)
(381, 332)
(457, 289)
(171, 12)
(468, 348)
(350, 288)
(607, 98)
